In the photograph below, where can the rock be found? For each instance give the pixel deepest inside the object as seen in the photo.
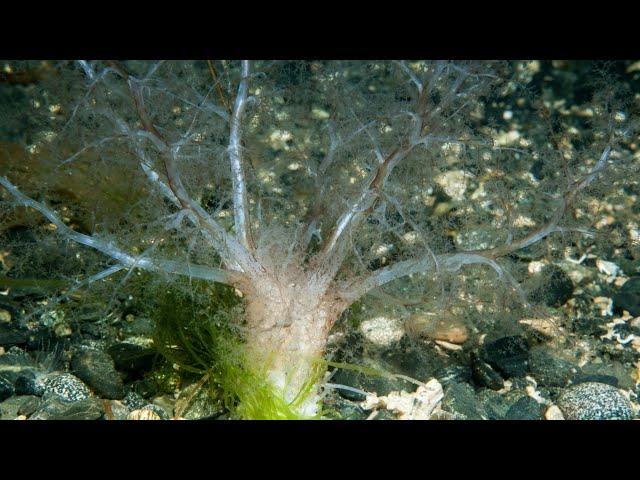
(143, 414)
(525, 409)
(158, 410)
(382, 331)
(628, 297)
(132, 358)
(96, 368)
(6, 388)
(29, 404)
(509, 355)
(66, 387)
(30, 382)
(415, 359)
(495, 404)
(550, 370)
(134, 401)
(460, 399)
(594, 401)
(553, 413)
(484, 375)
(53, 408)
(11, 408)
(554, 287)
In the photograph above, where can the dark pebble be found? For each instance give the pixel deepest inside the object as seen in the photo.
(484, 375)
(628, 297)
(6, 388)
(96, 368)
(460, 399)
(550, 370)
(525, 409)
(553, 287)
(131, 358)
(509, 355)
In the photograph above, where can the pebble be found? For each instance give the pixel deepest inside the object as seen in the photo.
(548, 369)
(509, 355)
(594, 401)
(53, 408)
(460, 399)
(134, 401)
(554, 287)
(525, 409)
(66, 387)
(143, 414)
(553, 413)
(96, 368)
(628, 297)
(6, 388)
(131, 358)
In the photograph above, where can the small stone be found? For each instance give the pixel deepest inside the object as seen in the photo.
(30, 382)
(548, 369)
(9, 408)
(96, 368)
(134, 401)
(53, 408)
(160, 411)
(484, 374)
(382, 331)
(525, 409)
(131, 358)
(509, 355)
(6, 388)
(554, 287)
(143, 414)
(66, 387)
(495, 404)
(628, 297)
(29, 404)
(553, 413)
(460, 399)
(594, 401)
